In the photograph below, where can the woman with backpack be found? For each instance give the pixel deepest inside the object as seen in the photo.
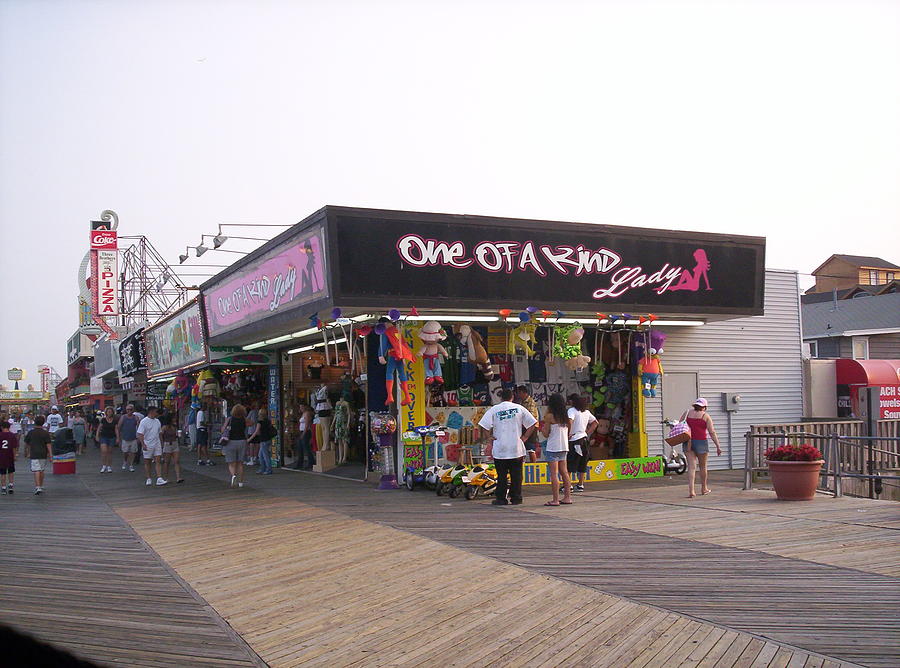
(262, 437)
(234, 443)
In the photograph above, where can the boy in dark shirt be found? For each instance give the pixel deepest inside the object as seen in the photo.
(9, 444)
(40, 449)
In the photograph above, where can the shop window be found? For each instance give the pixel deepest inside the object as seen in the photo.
(888, 277)
(860, 347)
(873, 277)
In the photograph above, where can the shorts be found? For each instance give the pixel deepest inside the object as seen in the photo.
(38, 465)
(6, 470)
(109, 441)
(202, 436)
(129, 446)
(151, 451)
(700, 447)
(169, 448)
(578, 463)
(235, 451)
(555, 456)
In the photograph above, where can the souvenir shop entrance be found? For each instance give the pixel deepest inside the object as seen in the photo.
(554, 307)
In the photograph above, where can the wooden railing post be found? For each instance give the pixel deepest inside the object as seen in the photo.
(748, 461)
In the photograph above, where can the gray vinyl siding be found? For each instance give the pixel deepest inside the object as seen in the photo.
(884, 347)
(846, 347)
(759, 357)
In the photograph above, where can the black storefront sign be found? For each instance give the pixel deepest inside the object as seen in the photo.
(131, 354)
(440, 261)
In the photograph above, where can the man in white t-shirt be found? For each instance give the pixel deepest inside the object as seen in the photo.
(510, 425)
(54, 421)
(151, 445)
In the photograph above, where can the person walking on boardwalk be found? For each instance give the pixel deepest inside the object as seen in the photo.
(9, 446)
(697, 449)
(126, 436)
(262, 434)
(170, 451)
(508, 423)
(79, 431)
(106, 437)
(556, 428)
(203, 436)
(40, 449)
(54, 421)
(235, 449)
(148, 434)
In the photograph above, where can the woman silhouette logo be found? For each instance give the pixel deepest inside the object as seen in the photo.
(691, 281)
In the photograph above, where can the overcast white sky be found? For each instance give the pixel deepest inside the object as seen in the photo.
(769, 118)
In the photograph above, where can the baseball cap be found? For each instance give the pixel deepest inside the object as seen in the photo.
(700, 401)
(54, 408)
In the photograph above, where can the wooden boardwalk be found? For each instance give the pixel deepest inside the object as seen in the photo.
(73, 574)
(337, 591)
(312, 570)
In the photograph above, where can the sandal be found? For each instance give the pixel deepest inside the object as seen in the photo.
(565, 503)
(551, 504)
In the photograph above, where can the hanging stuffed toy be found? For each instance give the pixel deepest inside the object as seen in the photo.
(234, 384)
(432, 352)
(650, 366)
(209, 386)
(567, 346)
(522, 338)
(395, 353)
(477, 352)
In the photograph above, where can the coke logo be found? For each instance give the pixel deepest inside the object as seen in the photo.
(103, 240)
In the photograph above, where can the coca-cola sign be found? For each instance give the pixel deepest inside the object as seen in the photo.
(104, 240)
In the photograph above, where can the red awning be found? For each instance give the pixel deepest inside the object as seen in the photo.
(867, 372)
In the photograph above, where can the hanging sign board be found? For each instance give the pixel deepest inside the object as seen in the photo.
(288, 276)
(176, 343)
(889, 402)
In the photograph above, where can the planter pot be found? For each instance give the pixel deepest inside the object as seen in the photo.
(795, 481)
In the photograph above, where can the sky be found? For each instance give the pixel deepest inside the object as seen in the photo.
(779, 119)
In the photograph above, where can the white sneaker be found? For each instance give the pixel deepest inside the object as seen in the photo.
(149, 481)
(102, 469)
(131, 469)
(109, 469)
(160, 481)
(123, 467)
(233, 479)
(240, 484)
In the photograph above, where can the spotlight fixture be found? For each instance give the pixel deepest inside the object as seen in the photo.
(182, 258)
(201, 249)
(218, 240)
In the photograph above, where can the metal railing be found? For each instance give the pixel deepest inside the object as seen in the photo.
(854, 457)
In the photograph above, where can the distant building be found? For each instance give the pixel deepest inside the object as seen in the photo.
(854, 328)
(845, 272)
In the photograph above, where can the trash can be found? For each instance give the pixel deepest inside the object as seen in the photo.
(63, 452)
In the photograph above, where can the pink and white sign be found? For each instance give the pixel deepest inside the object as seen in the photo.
(285, 278)
(104, 239)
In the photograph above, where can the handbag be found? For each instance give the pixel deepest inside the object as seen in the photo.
(678, 434)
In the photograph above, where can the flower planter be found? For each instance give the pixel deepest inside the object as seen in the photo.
(795, 481)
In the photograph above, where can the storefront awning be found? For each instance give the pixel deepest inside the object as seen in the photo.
(867, 373)
(362, 260)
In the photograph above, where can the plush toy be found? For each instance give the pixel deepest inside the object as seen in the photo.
(477, 352)
(567, 346)
(521, 338)
(209, 386)
(171, 390)
(650, 366)
(394, 352)
(233, 384)
(432, 352)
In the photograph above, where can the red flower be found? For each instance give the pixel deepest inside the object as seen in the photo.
(794, 453)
